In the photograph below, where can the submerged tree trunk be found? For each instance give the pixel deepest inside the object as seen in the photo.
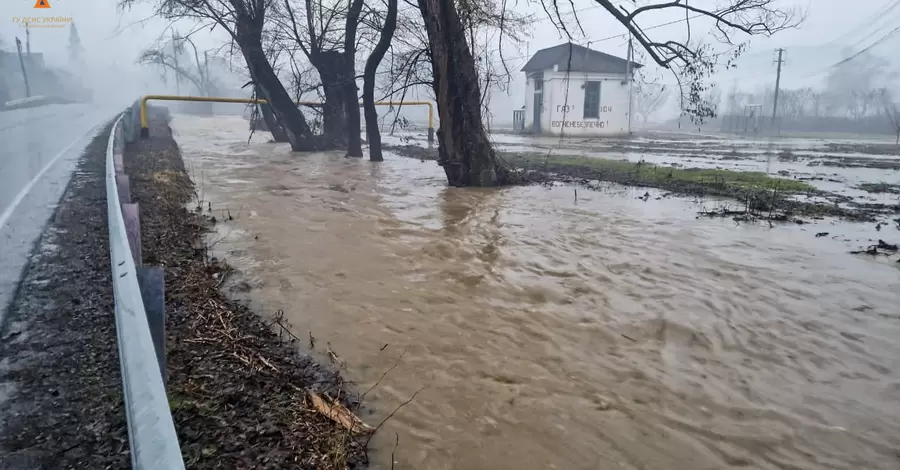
(463, 146)
(351, 92)
(249, 38)
(263, 119)
(275, 127)
(373, 134)
(330, 65)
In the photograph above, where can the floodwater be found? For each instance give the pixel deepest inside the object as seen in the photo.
(546, 330)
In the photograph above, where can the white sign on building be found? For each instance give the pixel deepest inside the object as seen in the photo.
(577, 91)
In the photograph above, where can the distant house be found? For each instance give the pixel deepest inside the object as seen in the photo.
(576, 90)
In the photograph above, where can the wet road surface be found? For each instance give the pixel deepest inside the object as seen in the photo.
(38, 151)
(559, 332)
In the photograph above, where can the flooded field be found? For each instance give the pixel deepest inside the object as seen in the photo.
(544, 330)
(860, 175)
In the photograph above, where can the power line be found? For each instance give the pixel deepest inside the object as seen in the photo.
(867, 22)
(608, 38)
(854, 56)
(874, 30)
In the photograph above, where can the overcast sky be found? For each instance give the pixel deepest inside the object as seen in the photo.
(829, 26)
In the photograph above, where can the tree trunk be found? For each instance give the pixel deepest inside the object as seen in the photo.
(249, 39)
(351, 92)
(330, 65)
(275, 127)
(463, 146)
(373, 134)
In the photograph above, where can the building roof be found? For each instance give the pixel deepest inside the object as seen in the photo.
(582, 60)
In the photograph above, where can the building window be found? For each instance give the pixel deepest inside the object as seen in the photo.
(538, 85)
(591, 100)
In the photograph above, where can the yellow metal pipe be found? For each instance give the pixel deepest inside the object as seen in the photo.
(145, 126)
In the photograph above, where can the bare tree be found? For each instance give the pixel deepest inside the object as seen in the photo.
(348, 78)
(245, 22)
(816, 103)
(169, 56)
(794, 104)
(464, 150)
(373, 133)
(891, 112)
(650, 98)
(319, 34)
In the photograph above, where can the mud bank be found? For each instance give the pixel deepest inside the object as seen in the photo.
(237, 392)
(60, 388)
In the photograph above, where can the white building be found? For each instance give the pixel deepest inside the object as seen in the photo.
(574, 90)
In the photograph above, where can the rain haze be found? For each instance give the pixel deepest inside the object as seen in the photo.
(440, 234)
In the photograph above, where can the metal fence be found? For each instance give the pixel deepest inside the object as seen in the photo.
(139, 313)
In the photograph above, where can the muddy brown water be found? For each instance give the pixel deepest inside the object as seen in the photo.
(550, 332)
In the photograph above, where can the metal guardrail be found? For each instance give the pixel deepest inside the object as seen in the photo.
(141, 340)
(145, 129)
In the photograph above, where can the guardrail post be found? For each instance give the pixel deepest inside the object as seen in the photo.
(123, 185)
(135, 120)
(130, 212)
(145, 120)
(152, 283)
(127, 126)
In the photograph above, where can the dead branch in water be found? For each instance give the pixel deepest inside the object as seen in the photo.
(396, 363)
(400, 406)
(396, 443)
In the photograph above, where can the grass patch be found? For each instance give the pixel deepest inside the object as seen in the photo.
(647, 174)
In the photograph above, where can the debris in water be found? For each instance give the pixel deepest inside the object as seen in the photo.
(338, 413)
(887, 246)
(873, 249)
(821, 234)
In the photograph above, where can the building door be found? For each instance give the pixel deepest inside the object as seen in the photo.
(538, 103)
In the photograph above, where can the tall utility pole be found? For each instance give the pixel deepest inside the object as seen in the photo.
(779, 61)
(628, 76)
(175, 59)
(24, 70)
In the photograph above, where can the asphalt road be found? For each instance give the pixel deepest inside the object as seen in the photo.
(39, 149)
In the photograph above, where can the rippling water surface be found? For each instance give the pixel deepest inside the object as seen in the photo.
(555, 331)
